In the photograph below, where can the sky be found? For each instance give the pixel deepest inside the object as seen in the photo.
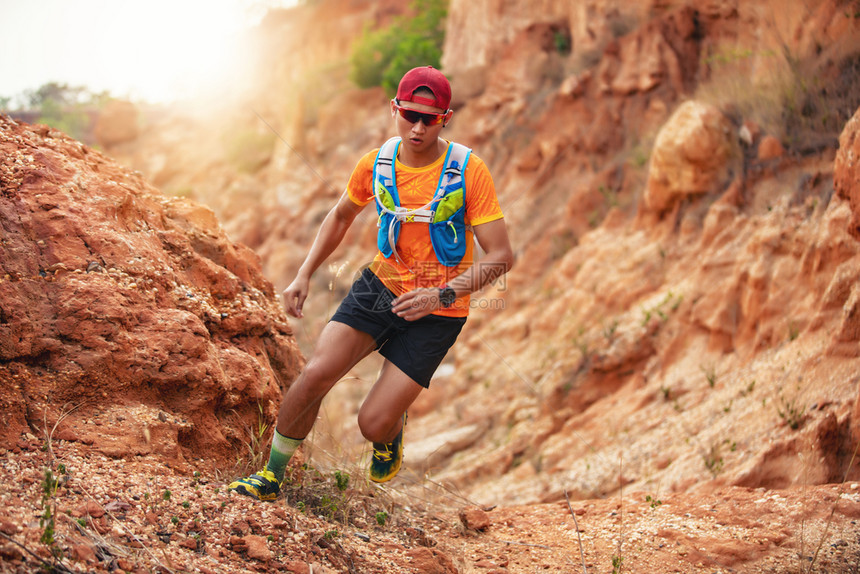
(152, 50)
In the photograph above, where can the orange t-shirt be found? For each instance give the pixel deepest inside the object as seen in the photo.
(416, 187)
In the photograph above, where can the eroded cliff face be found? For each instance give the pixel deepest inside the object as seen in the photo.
(128, 320)
(681, 315)
(676, 350)
(713, 347)
(675, 326)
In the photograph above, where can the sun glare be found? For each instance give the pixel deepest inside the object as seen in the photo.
(171, 50)
(155, 50)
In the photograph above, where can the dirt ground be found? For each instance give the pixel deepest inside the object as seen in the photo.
(138, 515)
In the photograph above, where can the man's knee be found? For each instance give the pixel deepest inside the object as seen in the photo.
(371, 427)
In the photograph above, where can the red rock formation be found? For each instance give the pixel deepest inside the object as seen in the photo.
(844, 288)
(692, 155)
(707, 357)
(128, 320)
(658, 337)
(846, 177)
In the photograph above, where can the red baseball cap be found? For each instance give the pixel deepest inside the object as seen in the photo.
(425, 77)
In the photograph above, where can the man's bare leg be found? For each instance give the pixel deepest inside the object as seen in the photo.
(339, 348)
(381, 419)
(381, 415)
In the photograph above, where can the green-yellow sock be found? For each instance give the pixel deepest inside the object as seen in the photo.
(282, 450)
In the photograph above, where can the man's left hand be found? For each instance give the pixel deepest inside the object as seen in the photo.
(417, 303)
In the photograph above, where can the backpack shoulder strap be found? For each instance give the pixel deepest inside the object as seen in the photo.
(459, 157)
(383, 167)
(454, 172)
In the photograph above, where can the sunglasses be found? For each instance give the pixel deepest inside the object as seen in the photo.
(414, 117)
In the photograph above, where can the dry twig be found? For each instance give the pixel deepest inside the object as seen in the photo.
(50, 566)
(833, 510)
(578, 537)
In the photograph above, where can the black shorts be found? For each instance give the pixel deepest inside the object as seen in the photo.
(415, 347)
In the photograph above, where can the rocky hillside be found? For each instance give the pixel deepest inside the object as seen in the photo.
(667, 381)
(129, 320)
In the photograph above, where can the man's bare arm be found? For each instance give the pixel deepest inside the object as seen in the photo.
(332, 231)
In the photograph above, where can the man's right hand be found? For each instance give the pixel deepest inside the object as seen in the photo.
(332, 230)
(295, 295)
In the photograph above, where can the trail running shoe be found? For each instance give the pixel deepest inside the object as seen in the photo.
(387, 457)
(262, 486)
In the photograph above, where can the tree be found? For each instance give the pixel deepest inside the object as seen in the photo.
(64, 107)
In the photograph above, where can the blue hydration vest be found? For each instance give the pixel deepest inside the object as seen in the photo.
(445, 214)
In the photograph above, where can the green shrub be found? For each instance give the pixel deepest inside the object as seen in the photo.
(70, 120)
(64, 107)
(342, 480)
(381, 57)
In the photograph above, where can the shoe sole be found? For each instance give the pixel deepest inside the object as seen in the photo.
(253, 493)
(387, 477)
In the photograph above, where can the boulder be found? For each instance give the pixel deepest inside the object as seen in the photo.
(693, 155)
(128, 320)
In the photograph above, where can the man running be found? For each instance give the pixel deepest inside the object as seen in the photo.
(432, 197)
